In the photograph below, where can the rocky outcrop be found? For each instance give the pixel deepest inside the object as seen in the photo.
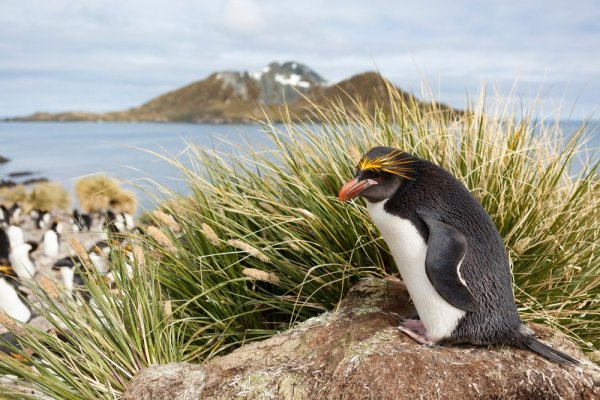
(355, 352)
(3, 160)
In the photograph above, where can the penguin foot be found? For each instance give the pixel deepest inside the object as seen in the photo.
(415, 329)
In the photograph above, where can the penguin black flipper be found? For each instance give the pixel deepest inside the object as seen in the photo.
(446, 249)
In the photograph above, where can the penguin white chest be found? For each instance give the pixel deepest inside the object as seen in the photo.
(15, 235)
(11, 303)
(68, 275)
(99, 262)
(19, 259)
(51, 244)
(409, 249)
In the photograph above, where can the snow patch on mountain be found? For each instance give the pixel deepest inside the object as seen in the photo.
(277, 83)
(292, 80)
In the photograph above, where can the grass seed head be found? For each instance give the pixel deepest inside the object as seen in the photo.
(81, 253)
(49, 287)
(138, 254)
(210, 235)
(521, 245)
(168, 308)
(262, 276)
(267, 207)
(253, 251)
(167, 220)
(12, 325)
(161, 238)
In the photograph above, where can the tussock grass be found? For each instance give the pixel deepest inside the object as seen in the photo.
(261, 242)
(49, 196)
(99, 193)
(43, 196)
(15, 194)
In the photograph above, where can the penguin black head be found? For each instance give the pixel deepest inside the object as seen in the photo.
(379, 174)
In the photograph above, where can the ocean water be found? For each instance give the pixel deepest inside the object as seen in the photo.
(65, 152)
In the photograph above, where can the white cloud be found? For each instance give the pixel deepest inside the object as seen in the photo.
(243, 16)
(107, 54)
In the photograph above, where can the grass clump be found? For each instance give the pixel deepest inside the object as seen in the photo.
(15, 194)
(99, 192)
(49, 196)
(43, 196)
(262, 242)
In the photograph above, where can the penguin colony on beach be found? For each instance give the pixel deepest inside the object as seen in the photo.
(12, 247)
(448, 251)
(16, 265)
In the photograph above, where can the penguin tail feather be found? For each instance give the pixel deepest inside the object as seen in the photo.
(532, 343)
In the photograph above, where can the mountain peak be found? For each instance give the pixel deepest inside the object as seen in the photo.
(277, 83)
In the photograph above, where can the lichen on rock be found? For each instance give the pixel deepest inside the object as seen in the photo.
(355, 352)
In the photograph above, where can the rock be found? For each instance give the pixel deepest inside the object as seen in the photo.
(17, 174)
(3, 160)
(356, 353)
(33, 181)
(7, 183)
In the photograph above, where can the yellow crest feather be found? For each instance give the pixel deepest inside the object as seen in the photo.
(5, 268)
(386, 163)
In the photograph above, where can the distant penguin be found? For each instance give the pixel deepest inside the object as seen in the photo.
(81, 221)
(12, 303)
(7, 272)
(74, 221)
(10, 345)
(15, 211)
(113, 223)
(43, 220)
(4, 246)
(99, 253)
(448, 251)
(86, 221)
(119, 222)
(20, 261)
(4, 216)
(128, 220)
(34, 245)
(66, 267)
(15, 235)
(69, 269)
(51, 241)
(125, 256)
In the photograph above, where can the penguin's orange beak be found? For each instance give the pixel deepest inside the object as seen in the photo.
(354, 188)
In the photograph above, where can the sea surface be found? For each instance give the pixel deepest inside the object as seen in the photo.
(65, 152)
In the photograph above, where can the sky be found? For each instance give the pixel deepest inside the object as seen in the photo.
(105, 55)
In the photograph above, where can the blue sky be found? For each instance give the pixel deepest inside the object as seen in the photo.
(113, 54)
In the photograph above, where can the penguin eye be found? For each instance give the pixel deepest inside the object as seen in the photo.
(379, 176)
